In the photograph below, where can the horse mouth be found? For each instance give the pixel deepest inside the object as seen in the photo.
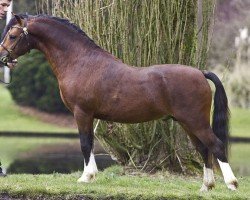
(12, 63)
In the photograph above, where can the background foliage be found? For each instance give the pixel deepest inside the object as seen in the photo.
(231, 15)
(227, 59)
(33, 84)
(21, 6)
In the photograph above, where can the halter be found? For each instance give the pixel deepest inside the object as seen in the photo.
(24, 33)
(6, 58)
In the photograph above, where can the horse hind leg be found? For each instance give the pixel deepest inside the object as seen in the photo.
(208, 175)
(214, 145)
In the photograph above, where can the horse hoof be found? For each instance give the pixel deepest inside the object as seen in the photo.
(233, 185)
(86, 178)
(206, 188)
(83, 180)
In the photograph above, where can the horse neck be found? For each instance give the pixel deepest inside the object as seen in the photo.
(62, 46)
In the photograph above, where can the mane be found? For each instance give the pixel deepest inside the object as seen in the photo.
(66, 22)
(63, 21)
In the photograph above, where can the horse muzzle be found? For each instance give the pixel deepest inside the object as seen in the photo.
(12, 64)
(7, 61)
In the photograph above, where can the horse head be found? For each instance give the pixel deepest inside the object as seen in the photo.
(15, 40)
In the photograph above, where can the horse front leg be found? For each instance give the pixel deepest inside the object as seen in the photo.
(85, 127)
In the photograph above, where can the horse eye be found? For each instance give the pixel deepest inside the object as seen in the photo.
(12, 37)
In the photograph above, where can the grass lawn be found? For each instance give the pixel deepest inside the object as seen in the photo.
(13, 120)
(240, 159)
(112, 184)
(240, 122)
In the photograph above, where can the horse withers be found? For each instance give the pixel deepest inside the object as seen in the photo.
(95, 84)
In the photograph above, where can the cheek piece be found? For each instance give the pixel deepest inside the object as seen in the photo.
(4, 59)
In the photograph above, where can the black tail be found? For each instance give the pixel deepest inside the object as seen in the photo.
(221, 113)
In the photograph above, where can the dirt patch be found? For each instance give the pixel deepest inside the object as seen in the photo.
(64, 120)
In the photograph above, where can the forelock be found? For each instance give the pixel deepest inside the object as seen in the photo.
(11, 23)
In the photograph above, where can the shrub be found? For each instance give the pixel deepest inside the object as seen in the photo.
(239, 86)
(33, 84)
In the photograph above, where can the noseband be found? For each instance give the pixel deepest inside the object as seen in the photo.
(24, 33)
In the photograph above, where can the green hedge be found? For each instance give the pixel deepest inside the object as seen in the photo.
(33, 84)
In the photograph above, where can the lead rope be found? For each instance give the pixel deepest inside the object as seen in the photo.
(1, 81)
(25, 32)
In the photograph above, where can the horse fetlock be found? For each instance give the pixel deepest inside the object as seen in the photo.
(87, 177)
(208, 179)
(232, 185)
(207, 186)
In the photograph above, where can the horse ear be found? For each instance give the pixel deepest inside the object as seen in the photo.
(19, 19)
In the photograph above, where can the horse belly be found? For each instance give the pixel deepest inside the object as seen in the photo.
(134, 109)
(130, 117)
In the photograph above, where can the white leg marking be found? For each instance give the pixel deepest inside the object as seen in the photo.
(208, 179)
(228, 175)
(89, 171)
